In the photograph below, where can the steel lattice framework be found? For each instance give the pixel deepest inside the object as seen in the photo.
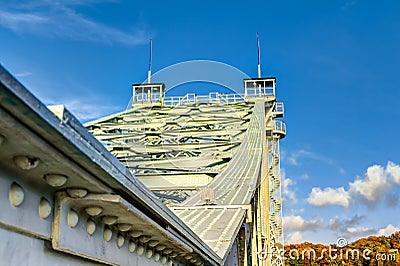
(175, 149)
(213, 159)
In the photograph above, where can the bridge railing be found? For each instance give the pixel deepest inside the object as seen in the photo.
(148, 93)
(212, 97)
(279, 109)
(260, 87)
(280, 128)
(253, 89)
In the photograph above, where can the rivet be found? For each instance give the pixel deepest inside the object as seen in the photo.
(120, 241)
(26, 162)
(160, 247)
(94, 210)
(173, 255)
(140, 250)
(107, 234)
(193, 260)
(124, 227)
(168, 251)
(44, 208)
(153, 243)
(90, 226)
(55, 180)
(149, 253)
(1, 139)
(77, 192)
(188, 257)
(131, 246)
(163, 260)
(72, 218)
(109, 219)
(16, 195)
(170, 263)
(135, 233)
(144, 239)
(157, 257)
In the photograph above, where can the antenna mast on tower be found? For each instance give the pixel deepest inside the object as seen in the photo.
(151, 55)
(259, 59)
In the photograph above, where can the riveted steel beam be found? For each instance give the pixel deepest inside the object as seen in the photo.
(108, 229)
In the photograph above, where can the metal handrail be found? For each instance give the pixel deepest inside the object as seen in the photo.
(280, 126)
(279, 107)
(190, 98)
(213, 97)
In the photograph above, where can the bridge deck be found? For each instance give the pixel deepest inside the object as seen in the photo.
(217, 227)
(234, 187)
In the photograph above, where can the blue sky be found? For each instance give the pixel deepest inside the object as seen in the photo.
(337, 65)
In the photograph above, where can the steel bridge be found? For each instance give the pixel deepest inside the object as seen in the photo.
(172, 180)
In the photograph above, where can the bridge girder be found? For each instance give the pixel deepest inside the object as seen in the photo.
(232, 158)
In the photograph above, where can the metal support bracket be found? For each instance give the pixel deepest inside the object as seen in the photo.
(108, 229)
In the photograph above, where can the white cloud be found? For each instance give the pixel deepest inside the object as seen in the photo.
(392, 199)
(295, 238)
(329, 196)
(359, 232)
(14, 20)
(348, 227)
(86, 111)
(289, 195)
(390, 229)
(23, 74)
(305, 176)
(294, 211)
(48, 18)
(370, 190)
(374, 186)
(294, 158)
(297, 223)
(340, 225)
(293, 222)
(394, 171)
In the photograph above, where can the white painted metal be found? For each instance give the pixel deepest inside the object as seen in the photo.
(43, 154)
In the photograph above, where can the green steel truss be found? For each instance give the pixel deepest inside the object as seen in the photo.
(205, 155)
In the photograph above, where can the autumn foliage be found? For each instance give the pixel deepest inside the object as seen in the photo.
(373, 250)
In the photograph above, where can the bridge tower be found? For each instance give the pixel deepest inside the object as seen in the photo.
(267, 231)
